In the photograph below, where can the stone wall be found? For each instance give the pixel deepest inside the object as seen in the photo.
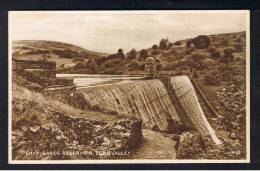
(29, 64)
(42, 73)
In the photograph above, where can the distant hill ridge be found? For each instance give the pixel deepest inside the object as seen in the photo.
(45, 45)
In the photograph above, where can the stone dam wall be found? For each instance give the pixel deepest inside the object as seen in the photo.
(188, 99)
(150, 101)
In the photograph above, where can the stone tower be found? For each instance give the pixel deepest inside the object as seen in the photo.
(150, 67)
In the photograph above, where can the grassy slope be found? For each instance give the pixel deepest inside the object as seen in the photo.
(25, 47)
(22, 93)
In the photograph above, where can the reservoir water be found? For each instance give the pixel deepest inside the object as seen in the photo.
(90, 80)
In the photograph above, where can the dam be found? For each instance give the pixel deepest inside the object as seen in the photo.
(159, 106)
(163, 103)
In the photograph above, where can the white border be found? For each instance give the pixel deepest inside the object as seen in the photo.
(134, 161)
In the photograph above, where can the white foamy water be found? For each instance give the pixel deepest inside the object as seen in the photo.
(90, 80)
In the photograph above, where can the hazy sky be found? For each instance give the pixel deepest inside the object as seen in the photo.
(107, 31)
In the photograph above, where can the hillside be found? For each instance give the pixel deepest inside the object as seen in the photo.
(63, 53)
(173, 56)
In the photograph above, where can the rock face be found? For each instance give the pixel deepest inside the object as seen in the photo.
(147, 100)
(187, 97)
(51, 134)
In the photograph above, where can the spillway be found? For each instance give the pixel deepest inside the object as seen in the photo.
(147, 100)
(188, 100)
(151, 102)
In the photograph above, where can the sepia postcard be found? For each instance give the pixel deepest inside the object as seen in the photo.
(149, 86)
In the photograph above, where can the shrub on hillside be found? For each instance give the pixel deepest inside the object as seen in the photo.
(238, 40)
(216, 54)
(163, 44)
(188, 51)
(201, 42)
(196, 61)
(135, 65)
(228, 51)
(188, 44)
(177, 43)
(174, 65)
(238, 48)
(143, 54)
(227, 75)
(211, 50)
(155, 52)
(154, 47)
(170, 45)
(173, 52)
(239, 80)
(224, 42)
(92, 65)
(132, 54)
(113, 63)
(189, 146)
(228, 56)
(211, 79)
(120, 54)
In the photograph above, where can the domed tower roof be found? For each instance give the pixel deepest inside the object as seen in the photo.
(150, 60)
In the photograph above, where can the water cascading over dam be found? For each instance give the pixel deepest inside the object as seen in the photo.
(150, 101)
(188, 100)
(147, 100)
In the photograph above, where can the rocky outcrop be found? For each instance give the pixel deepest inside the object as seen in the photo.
(45, 133)
(147, 100)
(188, 100)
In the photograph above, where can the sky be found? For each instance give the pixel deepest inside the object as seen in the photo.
(107, 31)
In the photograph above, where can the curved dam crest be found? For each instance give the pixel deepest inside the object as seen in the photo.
(150, 101)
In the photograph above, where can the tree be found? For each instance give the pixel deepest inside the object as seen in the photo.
(132, 54)
(143, 54)
(216, 54)
(196, 61)
(228, 56)
(201, 42)
(154, 47)
(92, 65)
(170, 45)
(121, 54)
(188, 44)
(211, 79)
(120, 51)
(163, 44)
